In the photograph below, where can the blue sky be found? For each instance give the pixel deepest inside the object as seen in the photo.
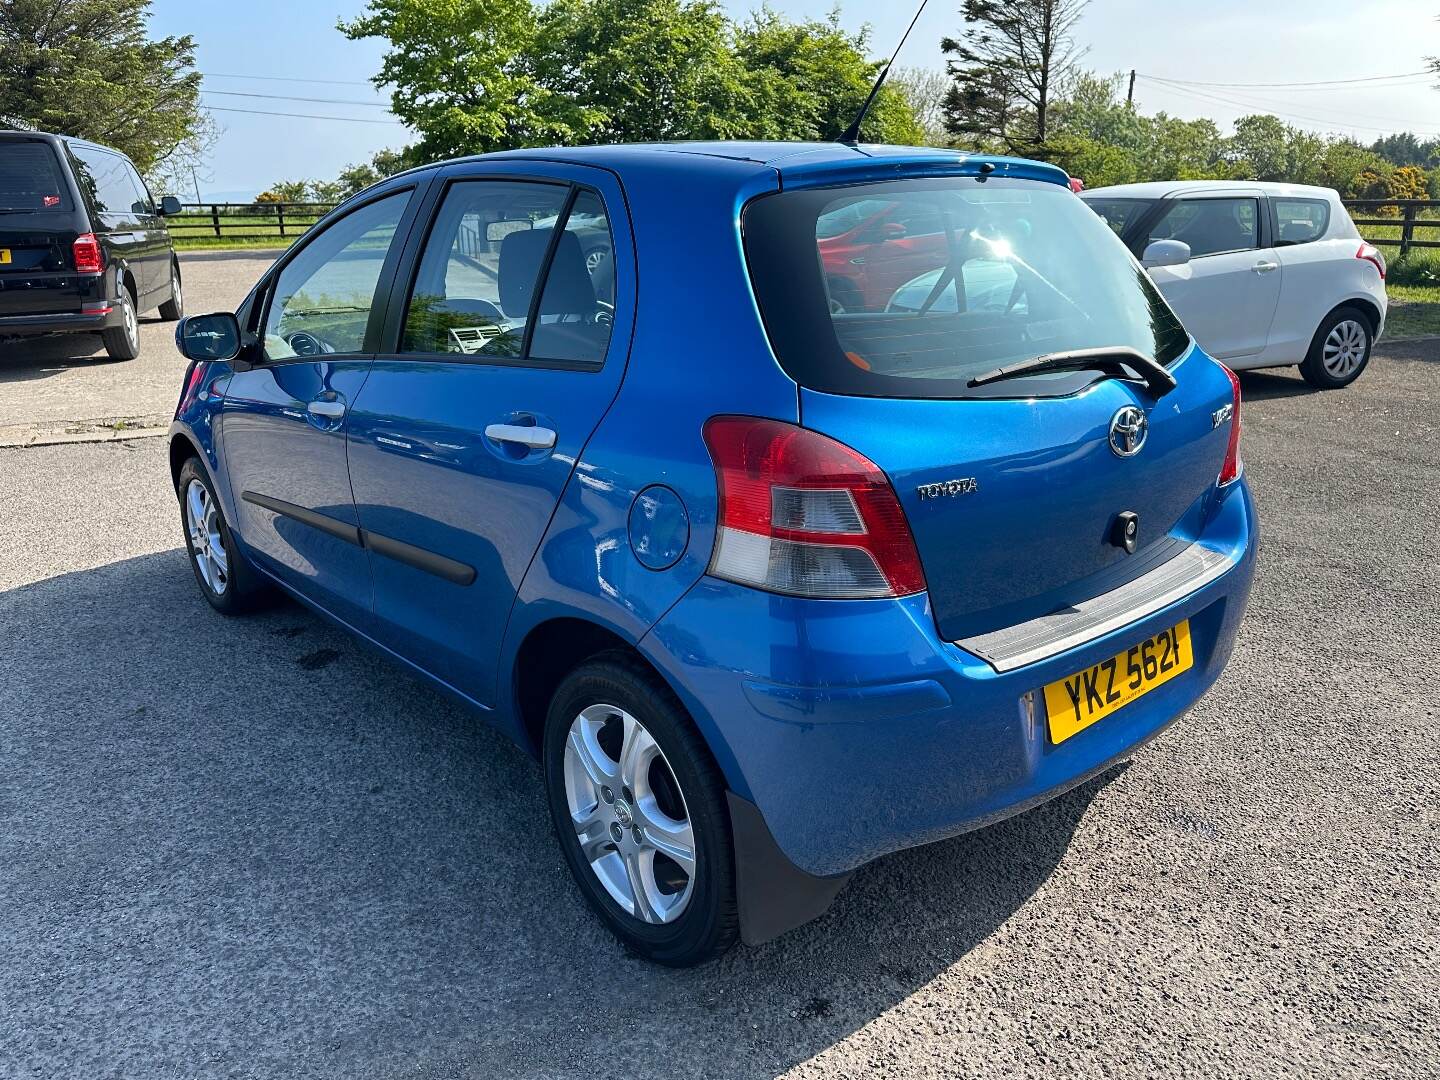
(1222, 41)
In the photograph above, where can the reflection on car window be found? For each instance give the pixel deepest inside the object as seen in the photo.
(323, 297)
(477, 278)
(108, 179)
(578, 305)
(30, 177)
(1299, 221)
(1119, 214)
(1211, 226)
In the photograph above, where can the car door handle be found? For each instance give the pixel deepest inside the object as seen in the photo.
(1264, 267)
(536, 438)
(331, 410)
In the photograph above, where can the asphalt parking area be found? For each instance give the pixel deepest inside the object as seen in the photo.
(247, 848)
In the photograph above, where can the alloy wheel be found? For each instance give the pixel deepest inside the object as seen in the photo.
(175, 293)
(629, 814)
(1344, 348)
(207, 546)
(127, 313)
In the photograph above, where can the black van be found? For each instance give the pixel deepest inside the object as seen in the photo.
(83, 246)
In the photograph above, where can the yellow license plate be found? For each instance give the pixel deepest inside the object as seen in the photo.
(4, 256)
(1074, 703)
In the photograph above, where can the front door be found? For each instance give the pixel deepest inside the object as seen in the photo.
(511, 348)
(282, 423)
(1227, 293)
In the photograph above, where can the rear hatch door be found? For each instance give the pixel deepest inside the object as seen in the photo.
(39, 221)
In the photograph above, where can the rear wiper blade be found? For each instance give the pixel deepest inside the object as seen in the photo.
(1118, 359)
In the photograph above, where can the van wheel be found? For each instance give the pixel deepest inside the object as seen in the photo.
(123, 342)
(639, 809)
(1340, 350)
(230, 584)
(172, 310)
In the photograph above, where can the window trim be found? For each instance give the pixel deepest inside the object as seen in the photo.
(379, 302)
(401, 303)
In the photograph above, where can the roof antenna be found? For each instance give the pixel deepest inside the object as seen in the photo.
(852, 133)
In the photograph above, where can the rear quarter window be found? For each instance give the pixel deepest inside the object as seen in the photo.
(110, 181)
(1299, 221)
(31, 177)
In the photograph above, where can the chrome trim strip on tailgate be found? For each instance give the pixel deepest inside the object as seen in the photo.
(1050, 635)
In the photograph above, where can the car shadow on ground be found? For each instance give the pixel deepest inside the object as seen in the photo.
(25, 358)
(246, 844)
(1273, 384)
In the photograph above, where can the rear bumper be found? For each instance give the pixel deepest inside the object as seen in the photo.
(62, 322)
(855, 730)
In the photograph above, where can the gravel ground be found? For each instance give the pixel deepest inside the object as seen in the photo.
(246, 848)
(67, 377)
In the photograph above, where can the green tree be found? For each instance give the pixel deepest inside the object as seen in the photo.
(1011, 63)
(924, 91)
(356, 178)
(285, 191)
(808, 81)
(87, 68)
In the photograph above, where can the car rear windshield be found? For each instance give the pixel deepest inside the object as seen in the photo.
(910, 288)
(30, 177)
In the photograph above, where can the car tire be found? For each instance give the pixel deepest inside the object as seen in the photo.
(123, 342)
(844, 296)
(1340, 350)
(668, 794)
(230, 584)
(173, 310)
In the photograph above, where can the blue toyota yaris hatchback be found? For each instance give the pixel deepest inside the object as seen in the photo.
(779, 553)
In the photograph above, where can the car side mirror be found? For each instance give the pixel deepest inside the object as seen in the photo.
(208, 337)
(1165, 253)
(170, 206)
(886, 230)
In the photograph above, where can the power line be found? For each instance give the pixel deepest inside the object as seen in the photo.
(1237, 103)
(288, 78)
(1313, 82)
(291, 97)
(1255, 101)
(300, 116)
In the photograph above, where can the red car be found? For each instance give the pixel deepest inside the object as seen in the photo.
(871, 247)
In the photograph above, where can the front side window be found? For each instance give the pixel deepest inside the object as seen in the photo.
(30, 177)
(323, 297)
(106, 177)
(492, 248)
(1015, 269)
(1210, 226)
(1119, 214)
(1299, 221)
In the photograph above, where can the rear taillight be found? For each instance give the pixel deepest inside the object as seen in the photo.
(1230, 470)
(87, 254)
(1371, 254)
(805, 515)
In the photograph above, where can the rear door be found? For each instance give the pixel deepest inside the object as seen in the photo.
(507, 345)
(1227, 293)
(39, 220)
(1013, 489)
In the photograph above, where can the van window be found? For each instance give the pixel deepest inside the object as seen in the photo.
(1299, 221)
(107, 177)
(30, 177)
(1014, 269)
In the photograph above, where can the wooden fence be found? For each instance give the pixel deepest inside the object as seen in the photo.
(1400, 220)
(277, 221)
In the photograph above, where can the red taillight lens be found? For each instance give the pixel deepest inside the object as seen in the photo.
(1230, 470)
(87, 254)
(1371, 254)
(805, 515)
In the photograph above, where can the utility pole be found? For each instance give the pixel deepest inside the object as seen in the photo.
(195, 180)
(1130, 94)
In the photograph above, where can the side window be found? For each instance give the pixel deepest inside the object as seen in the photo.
(1211, 226)
(1299, 221)
(478, 271)
(578, 305)
(477, 278)
(106, 177)
(322, 299)
(142, 204)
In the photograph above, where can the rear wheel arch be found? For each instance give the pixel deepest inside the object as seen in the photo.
(1367, 308)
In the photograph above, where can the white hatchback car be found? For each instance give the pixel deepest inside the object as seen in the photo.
(1262, 274)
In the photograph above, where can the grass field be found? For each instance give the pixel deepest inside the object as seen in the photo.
(196, 231)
